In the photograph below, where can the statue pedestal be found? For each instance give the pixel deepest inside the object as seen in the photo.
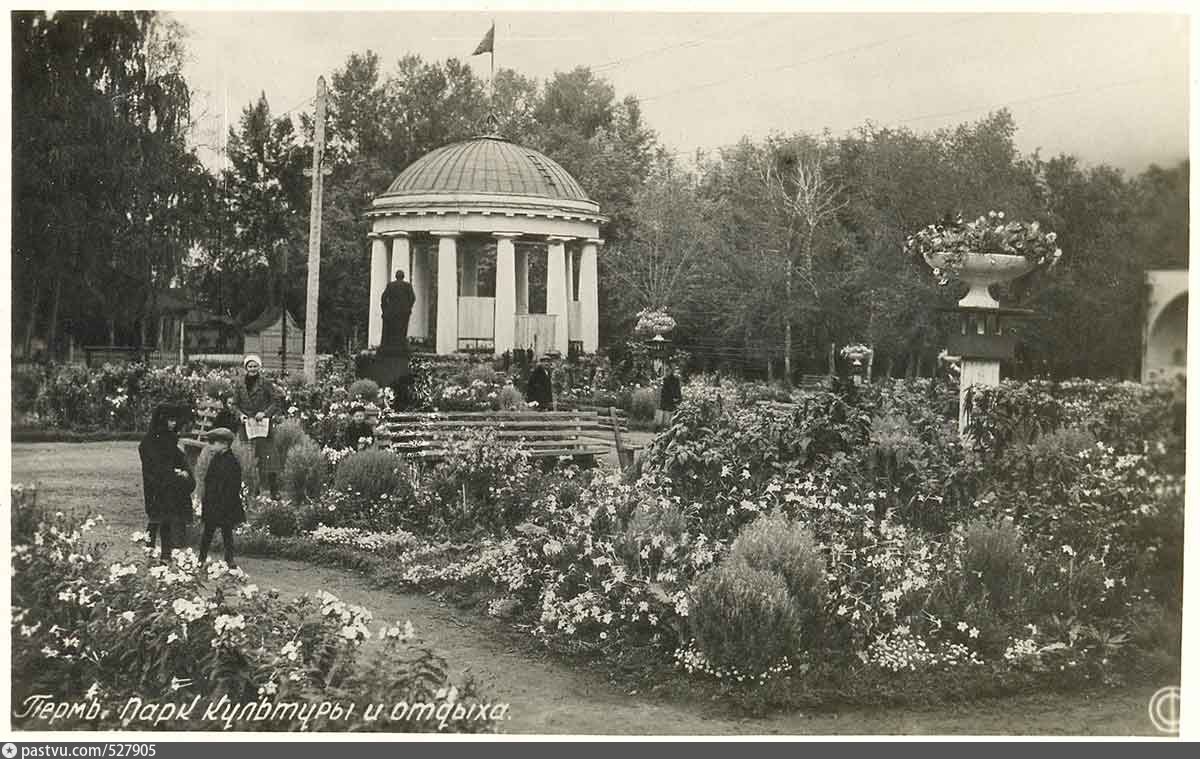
(390, 367)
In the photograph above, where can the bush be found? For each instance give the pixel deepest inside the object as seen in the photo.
(511, 399)
(775, 544)
(371, 473)
(764, 601)
(478, 485)
(275, 517)
(644, 403)
(993, 561)
(364, 391)
(286, 435)
(305, 473)
(744, 619)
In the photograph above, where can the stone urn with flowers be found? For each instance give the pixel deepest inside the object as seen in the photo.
(984, 252)
(987, 251)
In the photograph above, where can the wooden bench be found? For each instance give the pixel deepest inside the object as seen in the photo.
(541, 434)
(206, 410)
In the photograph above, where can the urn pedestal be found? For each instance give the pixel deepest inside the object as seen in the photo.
(980, 341)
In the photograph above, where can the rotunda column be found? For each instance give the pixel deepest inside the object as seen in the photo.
(422, 287)
(589, 294)
(571, 276)
(379, 279)
(556, 290)
(506, 291)
(447, 315)
(401, 255)
(522, 274)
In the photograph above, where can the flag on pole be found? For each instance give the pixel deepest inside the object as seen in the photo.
(485, 46)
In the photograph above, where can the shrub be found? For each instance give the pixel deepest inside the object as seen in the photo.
(305, 473)
(775, 544)
(371, 473)
(286, 435)
(275, 517)
(364, 390)
(644, 403)
(511, 399)
(993, 561)
(764, 601)
(479, 484)
(744, 618)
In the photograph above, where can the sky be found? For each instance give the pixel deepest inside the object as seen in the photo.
(1107, 87)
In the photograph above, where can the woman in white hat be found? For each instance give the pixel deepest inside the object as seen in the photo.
(256, 398)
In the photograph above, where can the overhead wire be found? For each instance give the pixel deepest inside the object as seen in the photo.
(806, 61)
(618, 62)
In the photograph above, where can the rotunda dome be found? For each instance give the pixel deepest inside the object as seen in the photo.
(488, 165)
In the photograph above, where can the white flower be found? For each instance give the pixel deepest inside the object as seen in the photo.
(962, 626)
(128, 616)
(1109, 582)
(291, 650)
(974, 632)
(93, 691)
(226, 622)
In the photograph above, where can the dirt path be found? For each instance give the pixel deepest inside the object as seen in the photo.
(546, 694)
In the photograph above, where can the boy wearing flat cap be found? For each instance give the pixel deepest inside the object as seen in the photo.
(221, 498)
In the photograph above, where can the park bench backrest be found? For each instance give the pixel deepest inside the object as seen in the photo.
(541, 434)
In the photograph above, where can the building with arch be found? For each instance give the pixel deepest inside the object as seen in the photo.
(478, 210)
(1164, 351)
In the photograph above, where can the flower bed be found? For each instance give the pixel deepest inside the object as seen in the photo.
(1047, 563)
(105, 632)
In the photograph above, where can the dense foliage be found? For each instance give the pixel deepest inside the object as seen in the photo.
(96, 631)
(848, 546)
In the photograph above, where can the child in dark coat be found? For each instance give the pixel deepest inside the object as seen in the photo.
(221, 500)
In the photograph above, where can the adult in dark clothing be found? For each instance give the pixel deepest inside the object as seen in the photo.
(397, 304)
(359, 433)
(255, 397)
(221, 499)
(540, 388)
(167, 482)
(669, 398)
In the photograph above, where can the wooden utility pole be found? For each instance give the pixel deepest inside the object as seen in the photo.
(283, 299)
(318, 172)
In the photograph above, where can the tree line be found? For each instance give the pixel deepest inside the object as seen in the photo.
(766, 252)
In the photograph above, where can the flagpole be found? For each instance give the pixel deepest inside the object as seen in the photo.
(492, 75)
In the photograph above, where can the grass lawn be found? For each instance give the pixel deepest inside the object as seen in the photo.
(547, 694)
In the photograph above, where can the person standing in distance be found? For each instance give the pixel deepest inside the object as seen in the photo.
(397, 305)
(255, 397)
(540, 387)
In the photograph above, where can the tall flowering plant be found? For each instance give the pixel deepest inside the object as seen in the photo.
(950, 244)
